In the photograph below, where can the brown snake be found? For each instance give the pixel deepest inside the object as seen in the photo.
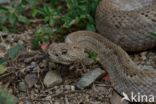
(125, 26)
(128, 27)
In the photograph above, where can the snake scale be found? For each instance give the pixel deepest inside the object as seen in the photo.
(122, 26)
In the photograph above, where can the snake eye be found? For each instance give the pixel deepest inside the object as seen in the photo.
(64, 51)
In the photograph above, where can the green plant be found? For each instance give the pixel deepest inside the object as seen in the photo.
(49, 14)
(153, 34)
(60, 18)
(7, 98)
(79, 14)
(11, 16)
(93, 55)
(11, 54)
(43, 34)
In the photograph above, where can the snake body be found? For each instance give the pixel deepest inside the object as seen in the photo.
(124, 74)
(128, 23)
(122, 29)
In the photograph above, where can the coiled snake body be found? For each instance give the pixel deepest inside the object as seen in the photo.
(124, 27)
(130, 26)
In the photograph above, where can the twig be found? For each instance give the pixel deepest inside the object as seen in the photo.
(66, 100)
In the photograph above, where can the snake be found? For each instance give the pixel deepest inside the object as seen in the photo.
(122, 26)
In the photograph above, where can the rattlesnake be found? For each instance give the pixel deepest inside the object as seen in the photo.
(124, 27)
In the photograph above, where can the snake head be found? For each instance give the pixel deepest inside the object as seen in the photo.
(65, 53)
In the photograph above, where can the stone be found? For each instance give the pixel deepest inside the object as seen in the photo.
(22, 86)
(52, 78)
(31, 80)
(87, 79)
(27, 102)
(148, 67)
(143, 55)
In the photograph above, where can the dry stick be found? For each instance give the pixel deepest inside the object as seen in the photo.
(66, 100)
(5, 75)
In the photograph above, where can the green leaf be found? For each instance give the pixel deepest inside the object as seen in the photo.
(23, 19)
(2, 69)
(67, 20)
(51, 21)
(47, 10)
(13, 52)
(4, 28)
(33, 2)
(72, 4)
(12, 19)
(7, 98)
(43, 33)
(3, 19)
(92, 55)
(2, 61)
(153, 34)
(46, 19)
(54, 2)
(3, 10)
(34, 12)
(90, 27)
(36, 41)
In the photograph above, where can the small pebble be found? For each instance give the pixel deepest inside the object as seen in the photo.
(22, 86)
(52, 78)
(88, 78)
(31, 80)
(27, 102)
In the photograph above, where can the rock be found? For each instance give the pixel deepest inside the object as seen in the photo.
(27, 102)
(88, 78)
(69, 87)
(33, 65)
(52, 78)
(31, 80)
(22, 86)
(143, 55)
(147, 67)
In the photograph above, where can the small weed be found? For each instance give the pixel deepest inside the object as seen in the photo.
(7, 98)
(79, 14)
(43, 34)
(153, 34)
(93, 55)
(57, 18)
(12, 16)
